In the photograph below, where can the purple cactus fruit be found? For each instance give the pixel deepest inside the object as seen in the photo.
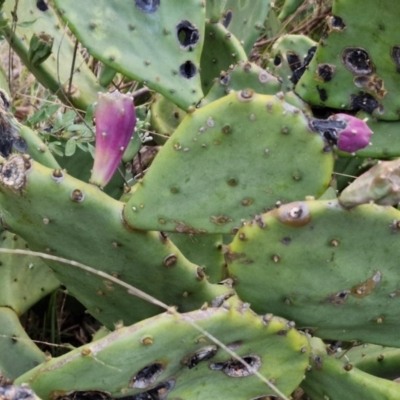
(115, 120)
(356, 134)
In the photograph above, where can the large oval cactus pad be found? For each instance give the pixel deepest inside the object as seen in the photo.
(332, 270)
(228, 161)
(168, 350)
(158, 43)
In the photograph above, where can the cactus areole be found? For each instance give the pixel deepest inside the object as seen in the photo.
(115, 120)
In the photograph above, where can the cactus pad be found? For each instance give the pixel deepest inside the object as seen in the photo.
(332, 379)
(357, 65)
(321, 265)
(191, 188)
(18, 353)
(166, 355)
(24, 279)
(134, 36)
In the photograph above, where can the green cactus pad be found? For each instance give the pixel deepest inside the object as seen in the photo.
(243, 75)
(36, 148)
(329, 269)
(54, 73)
(221, 49)
(287, 54)
(165, 352)
(289, 7)
(158, 44)
(18, 353)
(332, 379)
(205, 251)
(357, 66)
(165, 118)
(229, 161)
(45, 206)
(24, 280)
(245, 19)
(380, 361)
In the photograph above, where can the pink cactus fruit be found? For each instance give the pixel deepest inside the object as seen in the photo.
(115, 120)
(355, 136)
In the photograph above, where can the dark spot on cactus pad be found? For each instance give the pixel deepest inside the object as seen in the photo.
(236, 369)
(220, 219)
(188, 70)
(293, 61)
(147, 375)
(227, 19)
(82, 395)
(298, 72)
(372, 83)
(319, 361)
(224, 78)
(188, 35)
(286, 240)
(325, 72)
(328, 129)
(42, 5)
(203, 354)
(160, 392)
(366, 288)
(338, 298)
(277, 60)
(363, 101)
(395, 54)
(322, 93)
(147, 6)
(337, 23)
(357, 61)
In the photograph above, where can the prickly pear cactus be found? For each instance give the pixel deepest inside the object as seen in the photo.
(287, 58)
(318, 263)
(322, 380)
(165, 118)
(166, 355)
(243, 75)
(244, 19)
(133, 37)
(375, 360)
(85, 209)
(24, 279)
(221, 49)
(259, 134)
(19, 353)
(356, 67)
